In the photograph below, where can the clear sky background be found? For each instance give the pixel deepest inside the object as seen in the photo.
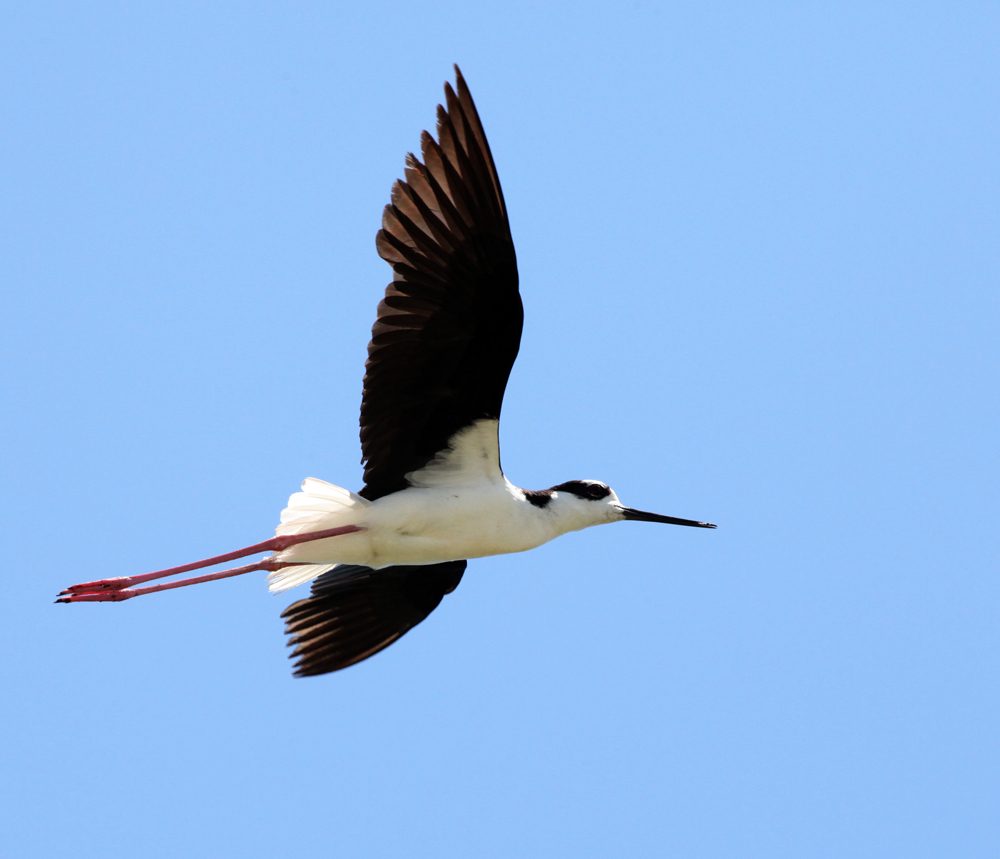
(759, 260)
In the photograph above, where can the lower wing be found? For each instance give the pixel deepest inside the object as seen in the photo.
(354, 612)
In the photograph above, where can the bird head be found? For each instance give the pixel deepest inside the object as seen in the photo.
(582, 503)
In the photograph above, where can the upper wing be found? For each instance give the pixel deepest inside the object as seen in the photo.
(354, 612)
(449, 327)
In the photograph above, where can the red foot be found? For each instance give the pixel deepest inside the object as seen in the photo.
(106, 596)
(115, 584)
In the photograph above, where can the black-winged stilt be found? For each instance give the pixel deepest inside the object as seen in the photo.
(443, 344)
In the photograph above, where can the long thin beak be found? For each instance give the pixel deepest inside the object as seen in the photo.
(642, 516)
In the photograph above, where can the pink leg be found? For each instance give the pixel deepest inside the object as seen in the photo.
(119, 594)
(275, 544)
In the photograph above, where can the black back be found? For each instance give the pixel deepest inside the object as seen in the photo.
(354, 612)
(449, 327)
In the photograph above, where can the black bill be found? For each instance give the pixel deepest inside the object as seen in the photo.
(641, 516)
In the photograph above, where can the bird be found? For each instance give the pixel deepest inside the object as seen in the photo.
(446, 335)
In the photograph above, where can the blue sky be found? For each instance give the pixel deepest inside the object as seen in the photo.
(758, 254)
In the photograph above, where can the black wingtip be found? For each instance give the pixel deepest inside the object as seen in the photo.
(460, 85)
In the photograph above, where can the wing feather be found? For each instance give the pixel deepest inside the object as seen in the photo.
(448, 329)
(354, 612)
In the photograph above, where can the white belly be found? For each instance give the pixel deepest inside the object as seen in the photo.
(428, 526)
(458, 506)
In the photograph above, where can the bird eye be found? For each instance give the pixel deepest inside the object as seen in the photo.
(595, 490)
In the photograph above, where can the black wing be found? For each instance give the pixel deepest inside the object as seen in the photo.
(354, 612)
(449, 327)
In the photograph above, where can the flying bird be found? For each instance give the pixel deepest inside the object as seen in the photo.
(445, 338)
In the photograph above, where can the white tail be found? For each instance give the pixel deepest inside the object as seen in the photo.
(320, 505)
(291, 577)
